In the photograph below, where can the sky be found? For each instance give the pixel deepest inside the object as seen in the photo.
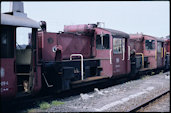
(147, 17)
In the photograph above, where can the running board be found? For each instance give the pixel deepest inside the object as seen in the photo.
(23, 73)
(89, 81)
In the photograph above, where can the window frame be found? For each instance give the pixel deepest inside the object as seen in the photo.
(122, 40)
(159, 47)
(103, 47)
(152, 47)
(7, 50)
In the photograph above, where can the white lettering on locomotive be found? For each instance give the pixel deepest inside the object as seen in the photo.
(3, 84)
(117, 66)
(2, 71)
(4, 89)
(117, 60)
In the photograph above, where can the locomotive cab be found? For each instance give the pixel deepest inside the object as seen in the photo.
(113, 50)
(18, 64)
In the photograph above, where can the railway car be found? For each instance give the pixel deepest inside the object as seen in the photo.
(19, 69)
(149, 53)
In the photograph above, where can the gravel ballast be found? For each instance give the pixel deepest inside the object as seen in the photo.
(118, 98)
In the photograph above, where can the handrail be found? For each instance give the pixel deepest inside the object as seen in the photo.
(161, 52)
(46, 81)
(81, 63)
(123, 53)
(164, 52)
(128, 52)
(156, 54)
(110, 54)
(142, 58)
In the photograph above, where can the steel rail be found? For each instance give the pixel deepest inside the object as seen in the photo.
(138, 107)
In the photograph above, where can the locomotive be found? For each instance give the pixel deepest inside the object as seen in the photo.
(80, 55)
(59, 55)
(150, 52)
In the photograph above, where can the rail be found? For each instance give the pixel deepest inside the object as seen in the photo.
(146, 103)
(142, 58)
(81, 63)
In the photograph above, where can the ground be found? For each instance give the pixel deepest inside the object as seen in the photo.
(118, 98)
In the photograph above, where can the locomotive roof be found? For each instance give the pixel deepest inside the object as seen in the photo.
(117, 33)
(11, 20)
(141, 36)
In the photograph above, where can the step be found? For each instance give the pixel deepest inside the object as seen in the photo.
(23, 73)
(89, 79)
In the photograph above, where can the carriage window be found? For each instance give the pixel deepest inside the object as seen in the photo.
(150, 44)
(102, 42)
(7, 41)
(159, 47)
(118, 44)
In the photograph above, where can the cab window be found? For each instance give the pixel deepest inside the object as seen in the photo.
(150, 44)
(159, 46)
(118, 45)
(7, 42)
(102, 41)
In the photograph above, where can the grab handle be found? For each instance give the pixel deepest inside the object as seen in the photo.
(123, 53)
(81, 63)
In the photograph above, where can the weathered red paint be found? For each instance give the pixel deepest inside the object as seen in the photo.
(116, 68)
(168, 45)
(104, 55)
(83, 28)
(46, 46)
(74, 44)
(67, 43)
(8, 79)
(137, 42)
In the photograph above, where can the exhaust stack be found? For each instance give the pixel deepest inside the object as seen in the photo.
(17, 9)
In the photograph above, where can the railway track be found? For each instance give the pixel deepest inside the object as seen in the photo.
(143, 105)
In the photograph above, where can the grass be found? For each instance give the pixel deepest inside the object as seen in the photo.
(56, 103)
(153, 73)
(44, 105)
(161, 72)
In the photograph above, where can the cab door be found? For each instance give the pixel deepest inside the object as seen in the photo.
(104, 52)
(120, 58)
(160, 54)
(7, 64)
